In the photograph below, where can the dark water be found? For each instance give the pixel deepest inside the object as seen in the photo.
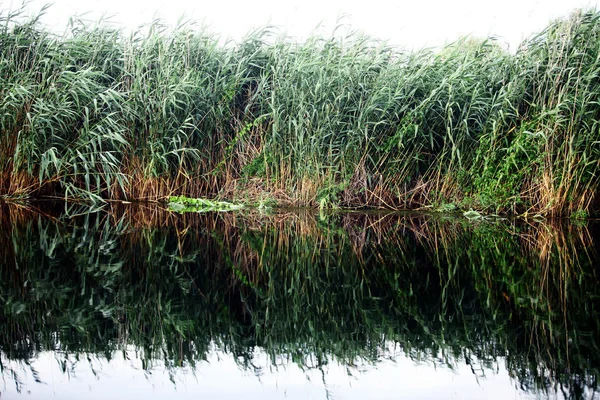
(135, 302)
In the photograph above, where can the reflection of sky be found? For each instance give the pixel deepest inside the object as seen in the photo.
(220, 377)
(407, 23)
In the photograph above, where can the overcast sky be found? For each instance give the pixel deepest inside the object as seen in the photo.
(409, 23)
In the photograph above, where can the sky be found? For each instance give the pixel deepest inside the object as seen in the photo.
(220, 377)
(410, 24)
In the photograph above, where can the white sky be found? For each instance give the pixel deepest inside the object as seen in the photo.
(409, 23)
(220, 377)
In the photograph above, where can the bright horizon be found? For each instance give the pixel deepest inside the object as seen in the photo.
(406, 24)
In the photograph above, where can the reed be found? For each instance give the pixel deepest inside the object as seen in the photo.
(344, 120)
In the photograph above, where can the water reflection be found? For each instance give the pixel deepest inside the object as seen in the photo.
(301, 289)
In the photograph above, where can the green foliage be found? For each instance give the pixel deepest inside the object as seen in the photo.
(258, 166)
(579, 214)
(239, 136)
(183, 204)
(96, 114)
(328, 196)
(446, 208)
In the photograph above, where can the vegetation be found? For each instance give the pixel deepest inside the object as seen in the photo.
(186, 204)
(303, 288)
(345, 120)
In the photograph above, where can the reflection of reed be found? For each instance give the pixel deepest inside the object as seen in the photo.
(305, 286)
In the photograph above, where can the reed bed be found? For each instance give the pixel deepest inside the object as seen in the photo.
(346, 120)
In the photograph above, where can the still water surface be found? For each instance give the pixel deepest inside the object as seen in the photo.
(136, 302)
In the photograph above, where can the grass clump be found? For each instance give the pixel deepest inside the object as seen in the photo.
(185, 204)
(345, 120)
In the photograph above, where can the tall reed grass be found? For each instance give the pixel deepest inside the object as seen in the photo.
(347, 120)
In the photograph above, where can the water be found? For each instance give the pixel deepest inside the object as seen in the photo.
(135, 302)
